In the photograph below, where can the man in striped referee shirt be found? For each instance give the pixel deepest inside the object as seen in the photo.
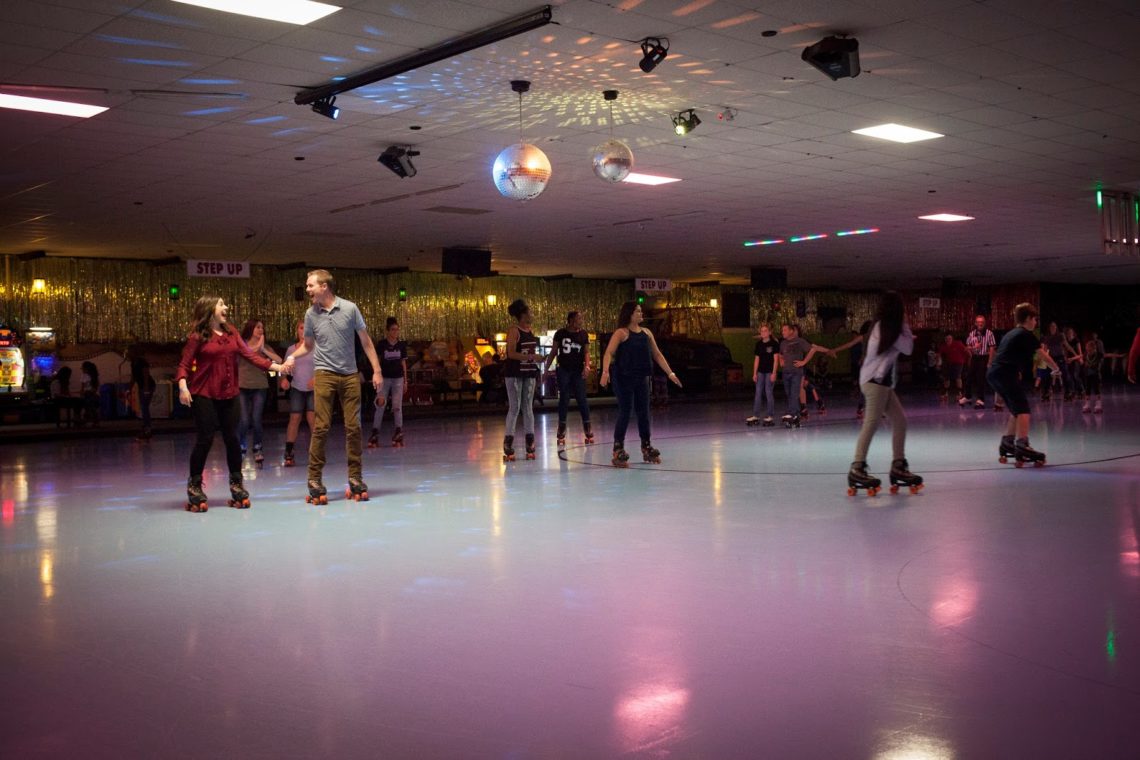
(981, 345)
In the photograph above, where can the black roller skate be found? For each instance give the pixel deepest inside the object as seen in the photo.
(530, 452)
(195, 496)
(901, 475)
(791, 421)
(1006, 449)
(398, 439)
(258, 457)
(621, 458)
(587, 434)
(857, 478)
(821, 407)
(803, 415)
(509, 448)
(317, 493)
(767, 422)
(357, 490)
(239, 497)
(1023, 453)
(752, 421)
(374, 439)
(561, 436)
(650, 454)
(290, 460)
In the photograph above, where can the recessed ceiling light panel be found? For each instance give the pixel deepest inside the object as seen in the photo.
(289, 11)
(648, 179)
(42, 105)
(897, 133)
(947, 218)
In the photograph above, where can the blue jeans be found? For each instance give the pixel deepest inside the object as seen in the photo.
(252, 407)
(793, 379)
(520, 397)
(765, 391)
(570, 381)
(632, 395)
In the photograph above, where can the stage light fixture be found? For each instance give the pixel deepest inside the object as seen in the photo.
(685, 121)
(653, 52)
(838, 57)
(326, 107)
(399, 160)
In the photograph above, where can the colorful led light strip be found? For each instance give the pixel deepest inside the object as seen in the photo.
(857, 232)
(801, 238)
(750, 243)
(807, 237)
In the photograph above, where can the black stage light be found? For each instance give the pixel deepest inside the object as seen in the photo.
(838, 57)
(685, 121)
(653, 51)
(327, 107)
(399, 160)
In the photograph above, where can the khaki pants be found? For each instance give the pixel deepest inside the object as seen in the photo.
(881, 400)
(326, 387)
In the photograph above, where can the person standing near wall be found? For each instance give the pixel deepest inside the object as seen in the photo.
(332, 325)
(981, 344)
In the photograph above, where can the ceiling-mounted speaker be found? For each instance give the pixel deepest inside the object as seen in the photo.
(769, 278)
(838, 57)
(467, 262)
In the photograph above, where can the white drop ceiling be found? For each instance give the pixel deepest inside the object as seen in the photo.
(1039, 101)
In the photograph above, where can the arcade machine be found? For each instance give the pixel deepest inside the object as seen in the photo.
(12, 377)
(41, 346)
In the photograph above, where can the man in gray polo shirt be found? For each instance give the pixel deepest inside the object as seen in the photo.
(330, 324)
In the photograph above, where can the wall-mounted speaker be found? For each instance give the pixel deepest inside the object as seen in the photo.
(467, 262)
(769, 278)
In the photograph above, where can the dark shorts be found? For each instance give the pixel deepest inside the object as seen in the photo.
(1008, 386)
(952, 372)
(300, 401)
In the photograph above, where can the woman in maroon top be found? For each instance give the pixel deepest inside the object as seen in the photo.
(208, 383)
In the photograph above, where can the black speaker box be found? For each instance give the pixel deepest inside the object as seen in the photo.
(736, 310)
(467, 262)
(954, 288)
(769, 278)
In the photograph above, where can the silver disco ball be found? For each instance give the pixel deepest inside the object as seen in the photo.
(613, 161)
(521, 172)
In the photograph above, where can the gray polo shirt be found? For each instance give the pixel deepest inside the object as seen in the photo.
(333, 331)
(793, 350)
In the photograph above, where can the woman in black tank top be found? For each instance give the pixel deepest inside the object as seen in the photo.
(521, 374)
(629, 357)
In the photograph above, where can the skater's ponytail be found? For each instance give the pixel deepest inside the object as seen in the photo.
(517, 308)
(890, 318)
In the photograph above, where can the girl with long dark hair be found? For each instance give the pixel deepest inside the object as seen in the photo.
(207, 380)
(889, 337)
(630, 354)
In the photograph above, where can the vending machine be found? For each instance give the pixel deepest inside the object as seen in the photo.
(12, 377)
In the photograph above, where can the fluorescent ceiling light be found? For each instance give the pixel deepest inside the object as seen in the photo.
(649, 179)
(289, 11)
(40, 105)
(897, 133)
(947, 218)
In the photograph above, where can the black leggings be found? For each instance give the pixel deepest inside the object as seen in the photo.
(211, 415)
(633, 396)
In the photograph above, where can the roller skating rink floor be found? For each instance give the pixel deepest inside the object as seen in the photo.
(731, 602)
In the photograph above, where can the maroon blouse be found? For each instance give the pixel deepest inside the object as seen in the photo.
(216, 375)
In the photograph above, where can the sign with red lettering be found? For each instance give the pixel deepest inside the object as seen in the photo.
(198, 268)
(652, 285)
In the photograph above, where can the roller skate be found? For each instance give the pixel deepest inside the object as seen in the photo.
(239, 497)
(791, 421)
(767, 422)
(821, 407)
(195, 496)
(752, 421)
(1087, 408)
(374, 439)
(587, 434)
(621, 458)
(979, 404)
(530, 452)
(901, 475)
(1026, 453)
(1006, 449)
(962, 401)
(398, 439)
(317, 493)
(1068, 397)
(857, 478)
(258, 457)
(803, 415)
(1098, 409)
(357, 490)
(650, 454)
(290, 459)
(998, 406)
(509, 448)
(561, 436)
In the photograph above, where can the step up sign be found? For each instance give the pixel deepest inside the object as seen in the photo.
(199, 268)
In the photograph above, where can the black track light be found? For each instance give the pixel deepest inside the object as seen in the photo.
(327, 107)
(399, 160)
(653, 52)
(685, 121)
(838, 57)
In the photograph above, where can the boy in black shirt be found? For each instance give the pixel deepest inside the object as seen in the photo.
(571, 349)
(393, 354)
(1012, 365)
(764, 375)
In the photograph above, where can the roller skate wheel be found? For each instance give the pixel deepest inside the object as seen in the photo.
(851, 490)
(1003, 460)
(894, 489)
(873, 491)
(1019, 464)
(916, 489)
(1039, 463)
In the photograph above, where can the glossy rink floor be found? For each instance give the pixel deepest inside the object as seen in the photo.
(731, 602)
